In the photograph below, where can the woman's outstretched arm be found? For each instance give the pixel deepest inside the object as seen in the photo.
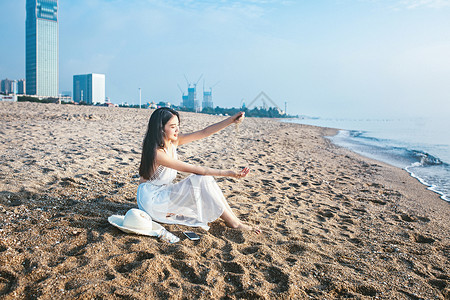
(190, 137)
(165, 160)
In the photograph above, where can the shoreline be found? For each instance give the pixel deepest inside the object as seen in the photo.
(335, 224)
(430, 186)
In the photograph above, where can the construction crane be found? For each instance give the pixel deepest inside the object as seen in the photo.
(264, 96)
(198, 80)
(211, 87)
(189, 84)
(242, 105)
(181, 90)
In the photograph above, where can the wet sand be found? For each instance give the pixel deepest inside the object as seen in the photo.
(335, 224)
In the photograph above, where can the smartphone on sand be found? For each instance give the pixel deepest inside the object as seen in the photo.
(191, 235)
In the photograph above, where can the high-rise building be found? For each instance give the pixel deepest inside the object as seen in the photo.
(8, 86)
(207, 99)
(42, 47)
(184, 100)
(89, 88)
(21, 86)
(190, 100)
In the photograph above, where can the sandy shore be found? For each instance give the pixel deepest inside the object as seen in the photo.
(335, 224)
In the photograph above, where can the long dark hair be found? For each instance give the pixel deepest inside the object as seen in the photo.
(154, 139)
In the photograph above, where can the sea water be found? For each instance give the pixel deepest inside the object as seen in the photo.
(421, 146)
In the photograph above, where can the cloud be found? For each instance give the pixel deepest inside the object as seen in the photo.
(414, 4)
(411, 4)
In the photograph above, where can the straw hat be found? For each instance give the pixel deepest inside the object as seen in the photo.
(136, 221)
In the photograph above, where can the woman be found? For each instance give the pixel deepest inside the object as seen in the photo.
(194, 201)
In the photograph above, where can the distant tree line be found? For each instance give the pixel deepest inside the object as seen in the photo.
(43, 100)
(34, 99)
(271, 112)
(47, 100)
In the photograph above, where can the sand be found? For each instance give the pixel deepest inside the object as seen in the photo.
(335, 224)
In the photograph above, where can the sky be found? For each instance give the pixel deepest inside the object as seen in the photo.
(324, 58)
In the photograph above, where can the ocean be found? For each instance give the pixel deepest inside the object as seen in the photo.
(421, 146)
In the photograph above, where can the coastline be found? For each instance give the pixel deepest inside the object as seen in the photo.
(429, 186)
(424, 158)
(335, 224)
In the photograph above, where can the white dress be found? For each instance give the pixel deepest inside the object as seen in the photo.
(194, 201)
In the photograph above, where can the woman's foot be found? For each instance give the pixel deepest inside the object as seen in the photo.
(232, 221)
(246, 227)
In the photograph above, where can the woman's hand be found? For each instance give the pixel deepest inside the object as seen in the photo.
(238, 118)
(244, 172)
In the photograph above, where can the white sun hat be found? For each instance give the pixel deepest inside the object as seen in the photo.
(139, 222)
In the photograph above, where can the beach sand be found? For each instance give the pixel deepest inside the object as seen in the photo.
(335, 224)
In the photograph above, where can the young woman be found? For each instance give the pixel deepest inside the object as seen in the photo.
(194, 201)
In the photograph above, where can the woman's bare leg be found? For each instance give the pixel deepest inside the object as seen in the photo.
(232, 221)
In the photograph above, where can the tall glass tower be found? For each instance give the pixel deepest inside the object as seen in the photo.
(42, 47)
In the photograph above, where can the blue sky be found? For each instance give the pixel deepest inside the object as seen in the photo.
(331, 58)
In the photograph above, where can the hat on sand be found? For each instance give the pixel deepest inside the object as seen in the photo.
(139, 222)
(136, 221)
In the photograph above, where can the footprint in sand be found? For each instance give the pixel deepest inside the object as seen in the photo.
(438, 283)
(346, 219)
(176, 252)
(188, 272)
(422, 239)
(119, 184)
(294, 185)
(250, 250)
(356, 241)
(56, 262)
(236, 281)
(235, 236)
(273, 210)
(73, 284)
(291, 260)
(327, 213)
(226, 252)
(232, 267)
(408, 218)
(284, 230)
(77, 251)
(29, 266)
(267, 182)
(8, 282)
(296, 248)
(134, 263)
(360, 210)
(276, 276)
(47, 170)
(367, 290)
(67, 182)
(373, 200)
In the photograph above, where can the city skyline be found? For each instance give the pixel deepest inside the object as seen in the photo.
(333, 58)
